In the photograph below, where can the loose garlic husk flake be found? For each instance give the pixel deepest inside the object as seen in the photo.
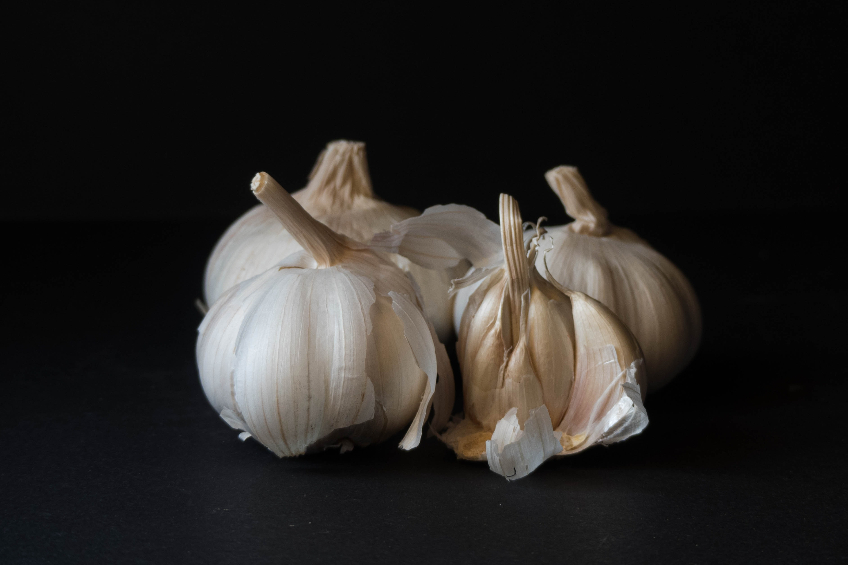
(616, 267)
(547, 371)
(328, 347)
(339, 195)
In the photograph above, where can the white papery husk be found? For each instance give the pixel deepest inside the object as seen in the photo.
(339, 195)
(619, 269)
(536, 355)
(308, 355)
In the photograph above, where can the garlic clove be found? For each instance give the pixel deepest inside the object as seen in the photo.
(515, 354)
(606, 353)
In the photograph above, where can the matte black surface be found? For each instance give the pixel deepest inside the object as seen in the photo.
(111, 454)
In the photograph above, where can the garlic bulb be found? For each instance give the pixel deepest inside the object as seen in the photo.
(532, 353)
(614, 266)
(339, 194)
(328, 347)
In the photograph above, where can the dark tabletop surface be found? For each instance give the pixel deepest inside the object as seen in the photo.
(111, 454)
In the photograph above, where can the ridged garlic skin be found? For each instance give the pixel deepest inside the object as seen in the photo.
(305, 357)
(328, 346)
(339, 195)
(539, 366)
(619, 269)
(462, 293)
(547, 371)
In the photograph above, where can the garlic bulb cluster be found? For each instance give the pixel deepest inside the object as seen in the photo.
(329, 346)
(547, 371)
(339, 195)
(614, 266)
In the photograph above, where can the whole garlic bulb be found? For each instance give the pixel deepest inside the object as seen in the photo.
(533, 354)
(614, 266)
(329, 346)
(339, 195)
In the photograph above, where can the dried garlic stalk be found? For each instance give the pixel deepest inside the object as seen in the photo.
(339, 195)
(547, 371)
(328, 347)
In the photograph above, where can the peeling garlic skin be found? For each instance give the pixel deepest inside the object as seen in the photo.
(460, 302)
(604, 351)
(339, 195)
(547, 371)
(328, 346)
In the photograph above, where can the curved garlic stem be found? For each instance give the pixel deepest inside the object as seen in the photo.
(340, 175)
(532, 244)
(320, 241)
(512, 238)
(590, 218)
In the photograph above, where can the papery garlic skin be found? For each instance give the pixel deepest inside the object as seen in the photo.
(515, 452)
(462, 293)
(547, 371)
(328, 346)
(516, 339)
(339, 195)
(619, 269)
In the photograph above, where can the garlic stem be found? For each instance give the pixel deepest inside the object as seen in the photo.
(512, 238)
(340, 175)
(320, 241)
(590, 218)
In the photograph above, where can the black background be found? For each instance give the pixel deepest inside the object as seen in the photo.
(133, 111)
(133, 131)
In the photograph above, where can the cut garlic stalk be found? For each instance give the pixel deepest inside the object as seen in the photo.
(547, 371)
(614, 266)
(339, 194)
(328, 347)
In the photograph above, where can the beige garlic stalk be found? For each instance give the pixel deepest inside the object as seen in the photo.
(546, 371)
(614, 266)
(327, 347)
(339, 195)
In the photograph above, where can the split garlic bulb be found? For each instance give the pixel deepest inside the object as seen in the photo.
(546, 371)
(614, 266)
(327, 347)
(339, 194)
